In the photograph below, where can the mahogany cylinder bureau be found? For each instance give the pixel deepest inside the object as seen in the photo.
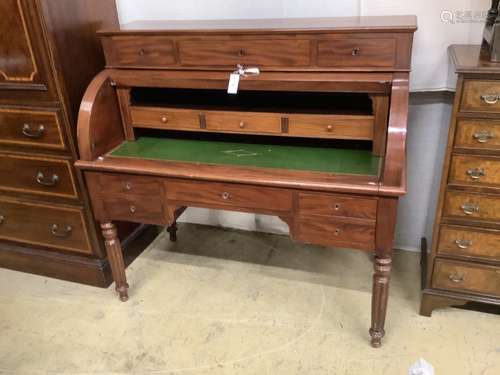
(48, 55)
(465, 260)
(311, 129)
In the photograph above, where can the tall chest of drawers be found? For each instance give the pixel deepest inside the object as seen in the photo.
(48, 55)
(465, 260)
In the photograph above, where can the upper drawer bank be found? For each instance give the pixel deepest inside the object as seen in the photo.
(273, 51)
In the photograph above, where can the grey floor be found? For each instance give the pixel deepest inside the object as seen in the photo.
(233, 302)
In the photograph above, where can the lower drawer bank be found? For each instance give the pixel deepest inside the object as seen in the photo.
(316, 218)
(47, 225)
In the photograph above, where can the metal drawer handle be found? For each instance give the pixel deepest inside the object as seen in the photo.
(133, 209)
(2, 219)
(470, 208)
(476, 173)
(463, 244)
(226, 195)
(61, 233)
(40, 178)
(128, 186)
(337, 232)
(34, 134)
(483, 136)
(490, 99)
(337, 206)
(456, 278)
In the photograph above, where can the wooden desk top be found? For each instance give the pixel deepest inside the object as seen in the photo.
(314, 25)
(470, 59)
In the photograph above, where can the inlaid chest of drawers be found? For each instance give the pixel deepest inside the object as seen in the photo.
(48, 55)
(465, 260)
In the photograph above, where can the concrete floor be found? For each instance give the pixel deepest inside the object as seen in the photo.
(230, 302)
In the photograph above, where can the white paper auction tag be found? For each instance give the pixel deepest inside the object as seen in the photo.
(234, 82)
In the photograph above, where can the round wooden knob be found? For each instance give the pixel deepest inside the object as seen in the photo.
(242, 125)
(329, 128)
(164, 119)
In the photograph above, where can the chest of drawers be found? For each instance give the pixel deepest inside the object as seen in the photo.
(465, 259)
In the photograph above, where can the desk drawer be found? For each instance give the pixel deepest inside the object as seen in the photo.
(349, 233)
(59, 227)
(165, 118)
(247, 52)
(243, 122)
(35, 175)
(31, 128)
(357, 52)
(472, 206)
(134, 208)
(337, 205)
(136, 51)
(213, 194)
(481, 96)
(475, 171)
(466, 277)
(478, 134)
(471, 242)
(338, 127)
(130, 185)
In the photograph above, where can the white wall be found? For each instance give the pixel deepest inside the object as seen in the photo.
(429, 113)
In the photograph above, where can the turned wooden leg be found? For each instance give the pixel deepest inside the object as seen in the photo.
(172, 230)
(115, 258)
(380, 296)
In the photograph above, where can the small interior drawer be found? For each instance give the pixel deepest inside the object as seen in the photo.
(134, 208)
(469, 242)
(472, 206)
(130, 185)
(47, 176)
(475, 171)
(340, 232)
(243, 122)
(481, 96)
(338, 127)
(357, 52)
(54, 226)
(478, 134)
(247, 52)
(165, 118)
(31, 128)
(467, 277)
(136, 51)
(330, 205)
(215, 195)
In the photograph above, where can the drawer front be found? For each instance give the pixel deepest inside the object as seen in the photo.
(130, 185)
(134, 208)
(481, 96)
(338, 127)
(229, 53)
(45, 176)
(472, 206)
(241, 122)
(474, 170)
(466, 277)
(31, 128)
(337, 205)
(213, 194)
(132, 51)
(165, 118)
(357, 52)
(478, 134)
(469, 242)
(52, 226)
(335, 232)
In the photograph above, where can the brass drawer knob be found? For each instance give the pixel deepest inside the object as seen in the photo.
(226, 195)
(329, 128)
(133, 209)
(470, 208)
(61, 233)
(2, 219)
(463, 244)
(128, 186)
(337, 232)
(457, 279)
(355, 51)
(490, 99)
(164, 119)
(42, 180)
(483, 136)
(242, 125)
(33, 134)
(476, 173)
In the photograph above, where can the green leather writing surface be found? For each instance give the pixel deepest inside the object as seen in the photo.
(318, 159)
